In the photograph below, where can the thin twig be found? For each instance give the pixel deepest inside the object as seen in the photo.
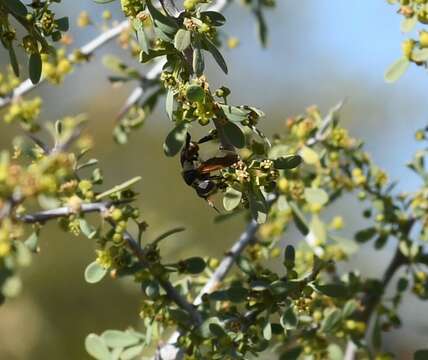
(102, 207)
(42, 216)
(86, 50)
(136, 94)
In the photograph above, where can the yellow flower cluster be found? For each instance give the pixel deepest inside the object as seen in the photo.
(56, 70)
(26, 111)
(8, 81)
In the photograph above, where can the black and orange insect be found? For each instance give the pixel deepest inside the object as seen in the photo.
(197, 173)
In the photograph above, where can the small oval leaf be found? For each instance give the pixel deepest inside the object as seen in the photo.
(198, 61)
(193, 265)
(116, 338)
(131, 352)
(94, 272)
(396, 70)
(232, 198)
(331, 321)
(182, 39)
(288, 162)
(234, 134)
(96, 347)
(16, 7)
(175, 140)
(316, 196)
(218, 57)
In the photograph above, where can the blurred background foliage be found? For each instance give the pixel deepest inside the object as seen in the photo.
(319, 52)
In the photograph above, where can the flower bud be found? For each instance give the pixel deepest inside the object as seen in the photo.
(407, 48)
(423, 39)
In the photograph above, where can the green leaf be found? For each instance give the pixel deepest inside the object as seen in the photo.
(365, 235)
(182, 39)
(113, 63)
(288, 162)
(194, 265)
(141, 35)
(163, 22)
(259, 285)
(420, 55)
(258, 206)
(289, 256)
(90, 162)
(204, 329)
(13, 60)
(94, 272)
(309, 155)
(335, 352)
(316, 196)
(289, 319)
(16, 7)
(331, 321)
(32, 242)
(169, 103)
(198, 61)
(216, 54)
(96, 347)
(280, 288)
(333, 290)
(195, 93)
(216, 18)
(421, 355)
(152, 54)
(396, 70)
(62, 23)
(299, 218)
(217, 330)
(234, 134)
(267, 331)
(237, 294)
(408, 24)
(116, 338)
(131, 352)
(87, 229)
(348, 246)
(11, 287)
(402, 284)
(231, 199)
(175, 140)
(245, 265)
(56, 35)
(261, 28)
(115, 353)
(234, 113)
(159, 33)
(318, 228)
(349, 308)
(409, 250)
(180, 316)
